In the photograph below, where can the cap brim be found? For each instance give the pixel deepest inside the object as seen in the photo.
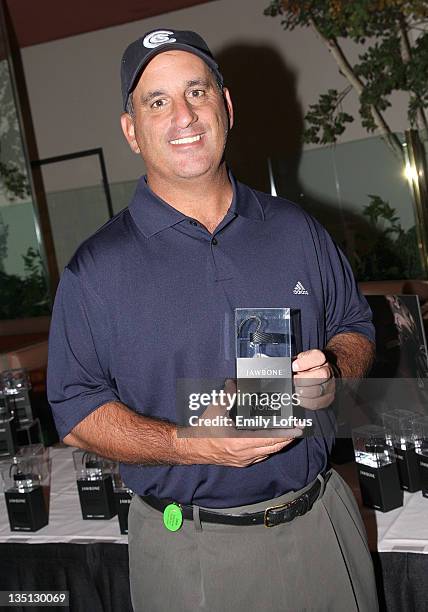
(167, 47)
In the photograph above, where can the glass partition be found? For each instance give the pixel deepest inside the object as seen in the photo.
(76, 213)
(78, 199)
(360, 192)
(23, 281)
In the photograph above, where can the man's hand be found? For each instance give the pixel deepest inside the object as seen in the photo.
(237, 451)
(227, 445)
(314, 380)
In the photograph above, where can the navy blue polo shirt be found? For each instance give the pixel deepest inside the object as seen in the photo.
(149, 299)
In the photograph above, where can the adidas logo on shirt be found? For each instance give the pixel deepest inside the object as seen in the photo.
(300, 290)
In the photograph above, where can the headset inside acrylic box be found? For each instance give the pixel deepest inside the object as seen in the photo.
(26, 485)
(94, 477)
(377, 468)
(266, 341)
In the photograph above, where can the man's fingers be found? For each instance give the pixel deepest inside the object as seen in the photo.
(275, 436)
(260, 459)
(315, 395)
(313, 377)
(308, 360)
(230, 386)
(318, 403)
(274, 448)
(317, 389)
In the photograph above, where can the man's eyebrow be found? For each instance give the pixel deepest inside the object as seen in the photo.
(193, 82)
(150, 95)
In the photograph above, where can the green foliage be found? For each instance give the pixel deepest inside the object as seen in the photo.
(13, 182)
(391, 62)
(357, 20)
(386, 251)
(393, 57)
(417, 79)
(4, 233)
(27, 296)
(13, 178)
(379, 209)
(324, 119)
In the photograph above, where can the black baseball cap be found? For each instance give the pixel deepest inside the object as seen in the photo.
(138, 54)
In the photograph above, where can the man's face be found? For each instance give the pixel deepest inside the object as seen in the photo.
(180, 119)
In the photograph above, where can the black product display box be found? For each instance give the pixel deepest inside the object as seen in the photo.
(123, 500)
(408, 469)
(8, 437)
(97, 498)
(423, 472)
(27, 511)
(380, 487)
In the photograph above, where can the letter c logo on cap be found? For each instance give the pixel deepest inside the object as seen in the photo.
(160, 37)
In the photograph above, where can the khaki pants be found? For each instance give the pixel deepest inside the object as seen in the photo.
(318, 562)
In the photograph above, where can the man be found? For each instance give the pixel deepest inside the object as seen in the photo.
(149, 300)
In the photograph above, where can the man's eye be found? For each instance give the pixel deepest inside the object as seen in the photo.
(158, 104)
(197, 93)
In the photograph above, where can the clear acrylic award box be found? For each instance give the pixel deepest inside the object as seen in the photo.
(377, 468)
(400, 435)
(371, 447)
(266, 339)
(8, 427)
(26, 485)
(94, 478)
(420, 432)
(16, 387)
(398, 424)
(23, 428)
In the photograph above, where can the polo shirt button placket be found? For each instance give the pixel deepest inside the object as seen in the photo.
(214, 241)
(192, 222)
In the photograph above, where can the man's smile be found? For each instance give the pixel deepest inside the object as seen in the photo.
(186, 140)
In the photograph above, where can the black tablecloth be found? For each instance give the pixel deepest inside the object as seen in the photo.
(402, 581)
(97, 576)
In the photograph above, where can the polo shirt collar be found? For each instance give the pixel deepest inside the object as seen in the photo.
(245, 202)
(152, 214)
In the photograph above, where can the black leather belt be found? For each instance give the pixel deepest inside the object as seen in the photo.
(271, 516)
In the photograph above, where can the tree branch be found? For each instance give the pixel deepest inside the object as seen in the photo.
(406, 55)
(347, 70)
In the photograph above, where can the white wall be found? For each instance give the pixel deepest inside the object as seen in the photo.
(75, 96)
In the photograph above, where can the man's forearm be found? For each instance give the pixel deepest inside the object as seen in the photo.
(116, 432)
(350, 354)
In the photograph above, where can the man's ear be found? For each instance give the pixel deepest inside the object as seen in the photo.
(128, 129)
(229, 105)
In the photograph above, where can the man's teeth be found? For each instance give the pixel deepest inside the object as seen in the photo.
(186, 140)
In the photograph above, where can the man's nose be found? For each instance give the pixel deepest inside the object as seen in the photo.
(184, 113)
